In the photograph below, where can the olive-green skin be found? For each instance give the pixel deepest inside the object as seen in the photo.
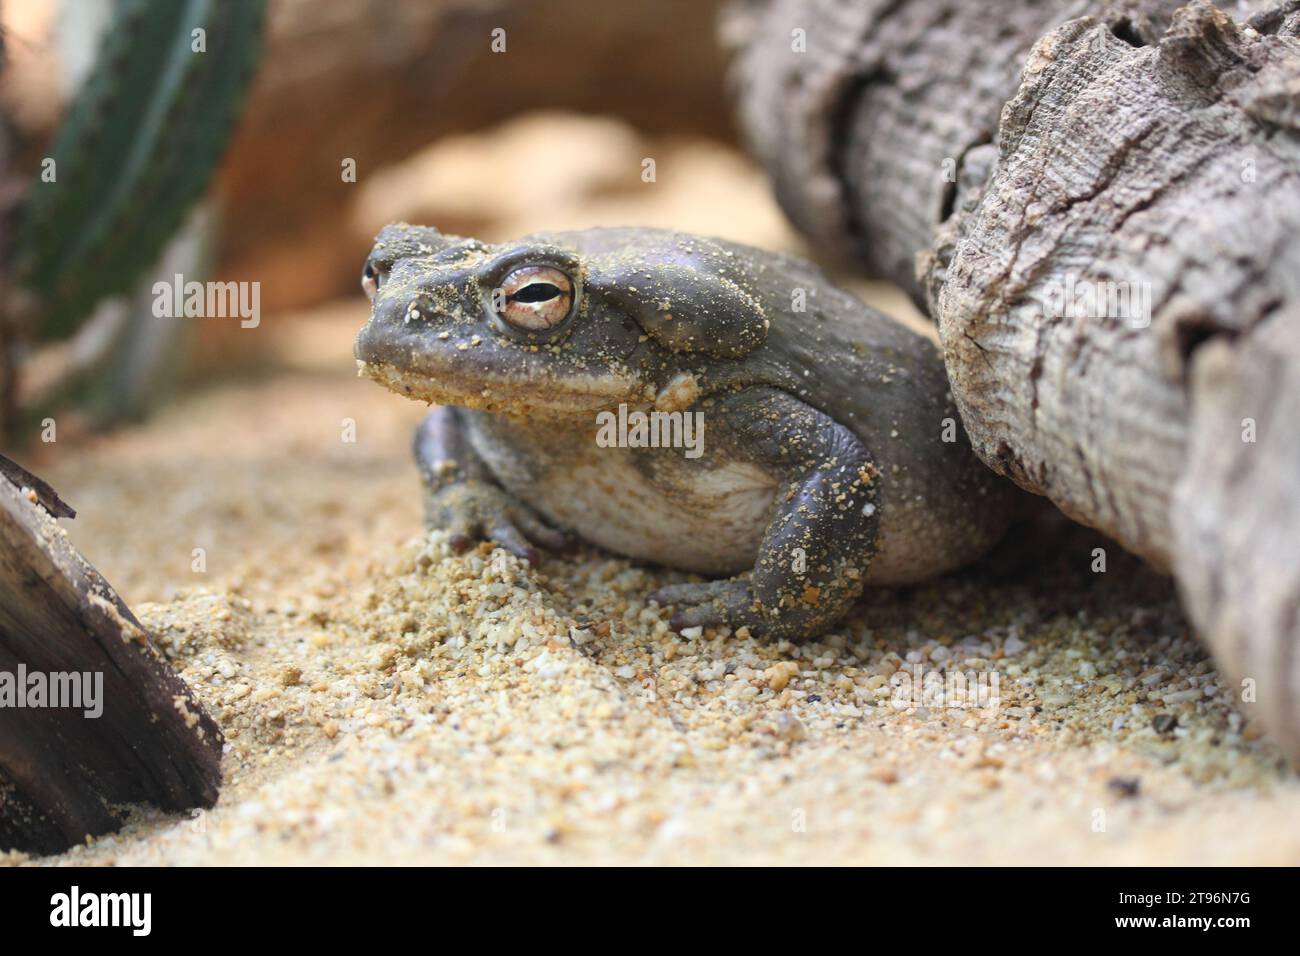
(833, 456)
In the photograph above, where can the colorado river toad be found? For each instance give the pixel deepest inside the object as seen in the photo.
(679, 400)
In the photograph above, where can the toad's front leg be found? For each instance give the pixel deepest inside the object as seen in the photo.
(462, 497)
(815, 551)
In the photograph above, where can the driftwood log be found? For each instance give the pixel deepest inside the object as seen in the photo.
(1099, 204)
(67, 772)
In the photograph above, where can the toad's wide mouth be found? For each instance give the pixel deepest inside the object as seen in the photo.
(570, 396)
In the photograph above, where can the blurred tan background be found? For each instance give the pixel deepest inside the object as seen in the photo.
(550, 133)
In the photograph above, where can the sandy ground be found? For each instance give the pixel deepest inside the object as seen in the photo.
(386, 702)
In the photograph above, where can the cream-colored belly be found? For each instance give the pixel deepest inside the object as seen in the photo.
(708, 518)
(655, 505)
(711, 523)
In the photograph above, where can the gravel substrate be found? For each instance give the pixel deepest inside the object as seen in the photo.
(384, 701)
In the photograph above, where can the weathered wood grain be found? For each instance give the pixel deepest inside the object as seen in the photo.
(1237, 516)
(1104, 221)
(65, 775)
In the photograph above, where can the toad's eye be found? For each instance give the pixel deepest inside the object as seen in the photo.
(534, 298)
(371, 278)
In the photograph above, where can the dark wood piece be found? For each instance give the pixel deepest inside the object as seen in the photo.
(64, 776)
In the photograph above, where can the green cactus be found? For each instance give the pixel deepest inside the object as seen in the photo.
(135, 151)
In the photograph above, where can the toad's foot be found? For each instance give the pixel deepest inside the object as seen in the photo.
(732, 602)
(473, 511)
(728, 602)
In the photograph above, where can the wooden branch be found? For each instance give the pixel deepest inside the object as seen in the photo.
(1237, 516)
(1141, 203)
(1112, 258)
(865, 119)
(64, 774)
(871, 120)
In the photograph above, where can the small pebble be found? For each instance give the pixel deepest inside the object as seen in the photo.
(1124, 786)
(789, 727)
(1164, 723)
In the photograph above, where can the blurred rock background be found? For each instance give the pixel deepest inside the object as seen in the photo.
(549, 133)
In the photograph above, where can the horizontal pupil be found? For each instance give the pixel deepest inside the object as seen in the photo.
(536, 292)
